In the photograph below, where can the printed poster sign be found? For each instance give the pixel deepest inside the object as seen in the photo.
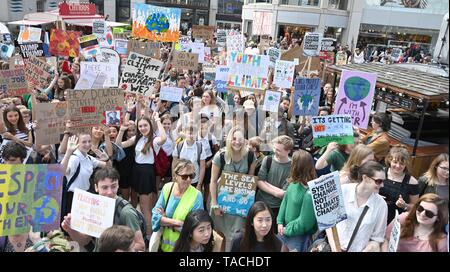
(262, 22)
(236, 193)
(92, 214)
(184, 60)
(51, 118)
(209, 71)
(156, 23)
(328, 201)
(274, 55)
(283, 74)
(171, 94)
(221, 78)
(149, 49)
(355, 96)
(328, 45)
(13, 82)
(306, 96)
(29, 34)
(108, 55)
(99, 28)
(140, 74)
(248, 71)
(28, 50)
(30, 197)
(396, 54)
(332, 128)
(38, 73)
(89, 46)
(121, 46)
(395, 234)
(312, 44)
(272, 101)
(203, 32)
(6, 50)
(64, 43)
(110, 70)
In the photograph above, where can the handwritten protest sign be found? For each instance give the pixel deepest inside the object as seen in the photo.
(262, 22)
(209, 71)
(171, 94)
(91, 214)
(341, 58)
(29, 34)
(199, 48)
(185, 43)
(274, 55)
(108, 55)
(271, 101)
(37, 73)
(221, 78)
(355, 96)
(184, 60)
(306, 96)
(122, 46)
(328, 45)
(395, 234)
(236, 193)
(221, 37)
(328, 201)
(332, 128)
(203, 32)
(140, 74)
(31, 50)
(87, 108)
(312, 44)
(247, 71)
(13, 82)
(283, 74)
(51, 118)
(30, 196)
(90, 80)
(149, 49)
(235, 42)
(156, 23)
(99, 28)
(111, 70)
(64, 43)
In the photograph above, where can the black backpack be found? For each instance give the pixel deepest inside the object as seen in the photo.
(199, 150)
(120, 204)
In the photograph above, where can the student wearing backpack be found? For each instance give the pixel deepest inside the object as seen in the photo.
(106, 182)
(167, 148)
(238, 159)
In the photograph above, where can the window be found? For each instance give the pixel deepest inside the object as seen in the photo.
(40, 6)
(230, 7)
(337, 4)
(122, 10)
(100, 4)
(311, 3)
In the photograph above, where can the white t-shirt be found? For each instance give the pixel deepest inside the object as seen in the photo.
(191, 153)
(205, 143)
(148, 158)
(88, 163)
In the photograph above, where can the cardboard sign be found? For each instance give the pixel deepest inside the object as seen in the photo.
(122, 46)
(72, 8)
(183, 60)
(274, 55)
(283, 74)
(328, 201)
(89, 46)
(198, 48)
(247, 71)
(110, 70)
(332, 128)
(236, 193)
(297, 53)
(312, 44)
(209, 71)
(31, 50)
(171, 94)
(272, 101)
(235, 42)
(29, 34)
(306, 96)
(355, 96)
(156, 23)
(91, 214)
(38, 73)
(203, 32)
(328, 45)
(87, 108)
(221, 78)
(6, 50)
(108, 55)
(395, 234)
(140, 74)
(13, 82)
(51, 118)
(30, 197)
(149, 49)
(64, 43)
(262, 22)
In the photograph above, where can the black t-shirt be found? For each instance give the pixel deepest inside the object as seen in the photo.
(259, 246)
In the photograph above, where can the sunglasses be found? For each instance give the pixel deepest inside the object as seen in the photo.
(428, 213)
(377, 181)
(185, 177)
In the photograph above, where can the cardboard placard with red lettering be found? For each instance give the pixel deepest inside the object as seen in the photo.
(51, 118)
(38, 73)
(13, 82)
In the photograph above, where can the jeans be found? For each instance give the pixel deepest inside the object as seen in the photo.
(296, 243)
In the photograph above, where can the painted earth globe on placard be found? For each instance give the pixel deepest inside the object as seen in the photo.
(157, 22)
(356, 88)
(45, 210)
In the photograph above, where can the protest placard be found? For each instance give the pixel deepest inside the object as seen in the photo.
(13, 82)
(156, 23)
(198, 48)
(235, 42)
(184, 60)
(247, 71)
(87, 108)
(328, 201)
(274, 55)
(208, 56)
(306, 96)
(203, 32)
(341, 58)
(108, 55)
(396, 54)
(171, 94)
(272, 101)
(236, 193)
(51, 118)
(328, 45)
(121, 46)
(30, 196)
(6, 50)
(149, 49)
(88, 79)
(113, 118)
(395, 234)
(89, 46)
(283, 74)
(29, 34)
(221, 37)
(297, 53)
(91, 214)
(221, 78)
(64, 43)
(209, 71)
(328, 57)
(332, 128)
(262, 22)
(140, 74)
(355, 96)
(99, 28)
(312, 44)
(111, 70)
(38, 73)
(185, 43)
(31, 50)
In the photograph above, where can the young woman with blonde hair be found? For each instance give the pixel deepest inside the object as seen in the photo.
(359, 155)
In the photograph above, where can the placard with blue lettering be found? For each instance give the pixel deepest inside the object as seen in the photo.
(306, 96)
(236, 193)
(221, 78)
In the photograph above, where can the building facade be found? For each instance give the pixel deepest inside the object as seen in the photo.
(16, 9)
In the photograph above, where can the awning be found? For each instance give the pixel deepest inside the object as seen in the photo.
(31, 22)
(89, 22)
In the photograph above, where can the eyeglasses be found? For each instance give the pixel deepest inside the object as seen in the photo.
(185, 177)
(428, 213)
(377, 181)
(443, 168)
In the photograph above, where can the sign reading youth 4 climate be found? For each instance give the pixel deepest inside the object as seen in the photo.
(156, 23)
(332, 128)
(307, 96)
(30, 197)
(356, 91)
(247, 71)
(236, 193)
(328, 201)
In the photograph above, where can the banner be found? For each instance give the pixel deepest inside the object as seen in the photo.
(171, 94)
(272, 101)
(29, 34)
(274, 55)
(91, 214)
(149, 49)
(203, 32)
(64, 43)
(283, 74)
(13, 82)
(395, 234)
(183, 60)
(38, 73)
(156, 23)
(30, 197)
(262, 22)
(140, 74)
(332, 128)
(87, 108)
(221, 78)
(355, 96)
(235, 42)
(51, 118)
(31, 50)
(328, 201)
(312, 44)
(306, 96)
(236, 193)
(110, 70)
(247, 71)
(76, 9)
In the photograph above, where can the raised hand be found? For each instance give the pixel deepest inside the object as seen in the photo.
(72, 144)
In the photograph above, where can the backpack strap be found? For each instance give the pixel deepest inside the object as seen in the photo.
(250, 157)
(120, 204)
(357, 226)
(179, 148)
(222, 162)
(268, 163)
(199, 151)
(75, 175)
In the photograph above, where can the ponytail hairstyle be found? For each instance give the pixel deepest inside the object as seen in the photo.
(139, 135)
(368, 168)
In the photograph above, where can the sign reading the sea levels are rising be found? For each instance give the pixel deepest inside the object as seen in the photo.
(236, 193)
(248, 71)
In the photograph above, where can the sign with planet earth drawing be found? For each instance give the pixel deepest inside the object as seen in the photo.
(356, 91)
(271, 101)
